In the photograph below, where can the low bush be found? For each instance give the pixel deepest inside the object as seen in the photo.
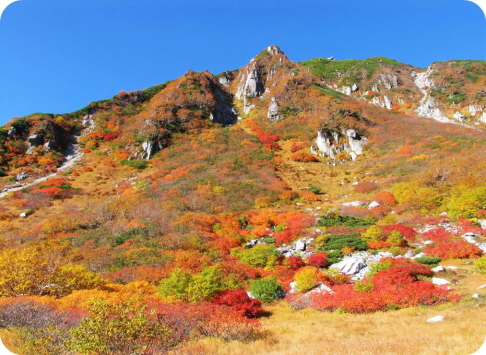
(266, 290)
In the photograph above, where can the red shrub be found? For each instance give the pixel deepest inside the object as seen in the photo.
(438, 235)
(110, 136)
(296, 147)
(454, 250)
(317, 260)
(295, 262)
(239, 300)
(52, 191)
(365, 187)
(408, 232)
(304, 157)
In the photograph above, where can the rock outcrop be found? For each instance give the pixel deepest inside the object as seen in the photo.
(331, 143)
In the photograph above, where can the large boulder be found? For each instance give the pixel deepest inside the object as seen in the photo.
(349, 266)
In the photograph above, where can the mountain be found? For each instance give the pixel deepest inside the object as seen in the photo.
(336, 185)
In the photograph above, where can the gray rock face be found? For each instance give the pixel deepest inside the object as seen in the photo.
(388, 81)
(21, 176)
(331, 144)
(459, 116)
(273, 110)
(49, 145)
(149, 148)
(251, 84)
(11, 132)
(223, 80)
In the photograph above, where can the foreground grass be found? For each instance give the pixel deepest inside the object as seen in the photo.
(405, 331)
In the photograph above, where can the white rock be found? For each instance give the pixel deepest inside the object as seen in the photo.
(459, 116)
(440, 282)
(373, 204)
(321, 288)
(451, 267)
(476, 295)
(481, 287)
(435, 319)
(273, 110)
(354, 204)
(483, 223)
(349, 266)
(438, 269)
(300, 245)
(23, 215)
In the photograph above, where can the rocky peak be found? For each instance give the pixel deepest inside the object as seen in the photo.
(253, 78)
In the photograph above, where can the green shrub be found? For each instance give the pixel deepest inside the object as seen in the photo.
(260, 255)
(337, 242)
(307, 278)
(480, 265)
(136, 163)
(266, 290)
(176, 285)
(428, 260)
(334, 256)
(334, 219)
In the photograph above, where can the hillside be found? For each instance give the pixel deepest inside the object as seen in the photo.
(231, 213)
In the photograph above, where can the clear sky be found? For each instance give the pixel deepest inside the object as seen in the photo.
(58, 55)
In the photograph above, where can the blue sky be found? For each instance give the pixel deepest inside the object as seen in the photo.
(59, 55)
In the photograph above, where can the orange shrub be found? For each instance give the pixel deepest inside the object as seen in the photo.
(304, 157)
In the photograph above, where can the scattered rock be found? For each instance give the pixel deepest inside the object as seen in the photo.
(438, 269)
(436, 319)
(23, 215)
(440, 282)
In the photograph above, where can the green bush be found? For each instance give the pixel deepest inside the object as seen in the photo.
(176, 285)
(334, 219)
(337, 242)
(266, 290)
(185, 286)
(334, 256)
(480, 265)
(428, 260)
(136, 163)
(260, 255)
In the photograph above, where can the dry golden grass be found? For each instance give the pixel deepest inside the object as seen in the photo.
(405, 331)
